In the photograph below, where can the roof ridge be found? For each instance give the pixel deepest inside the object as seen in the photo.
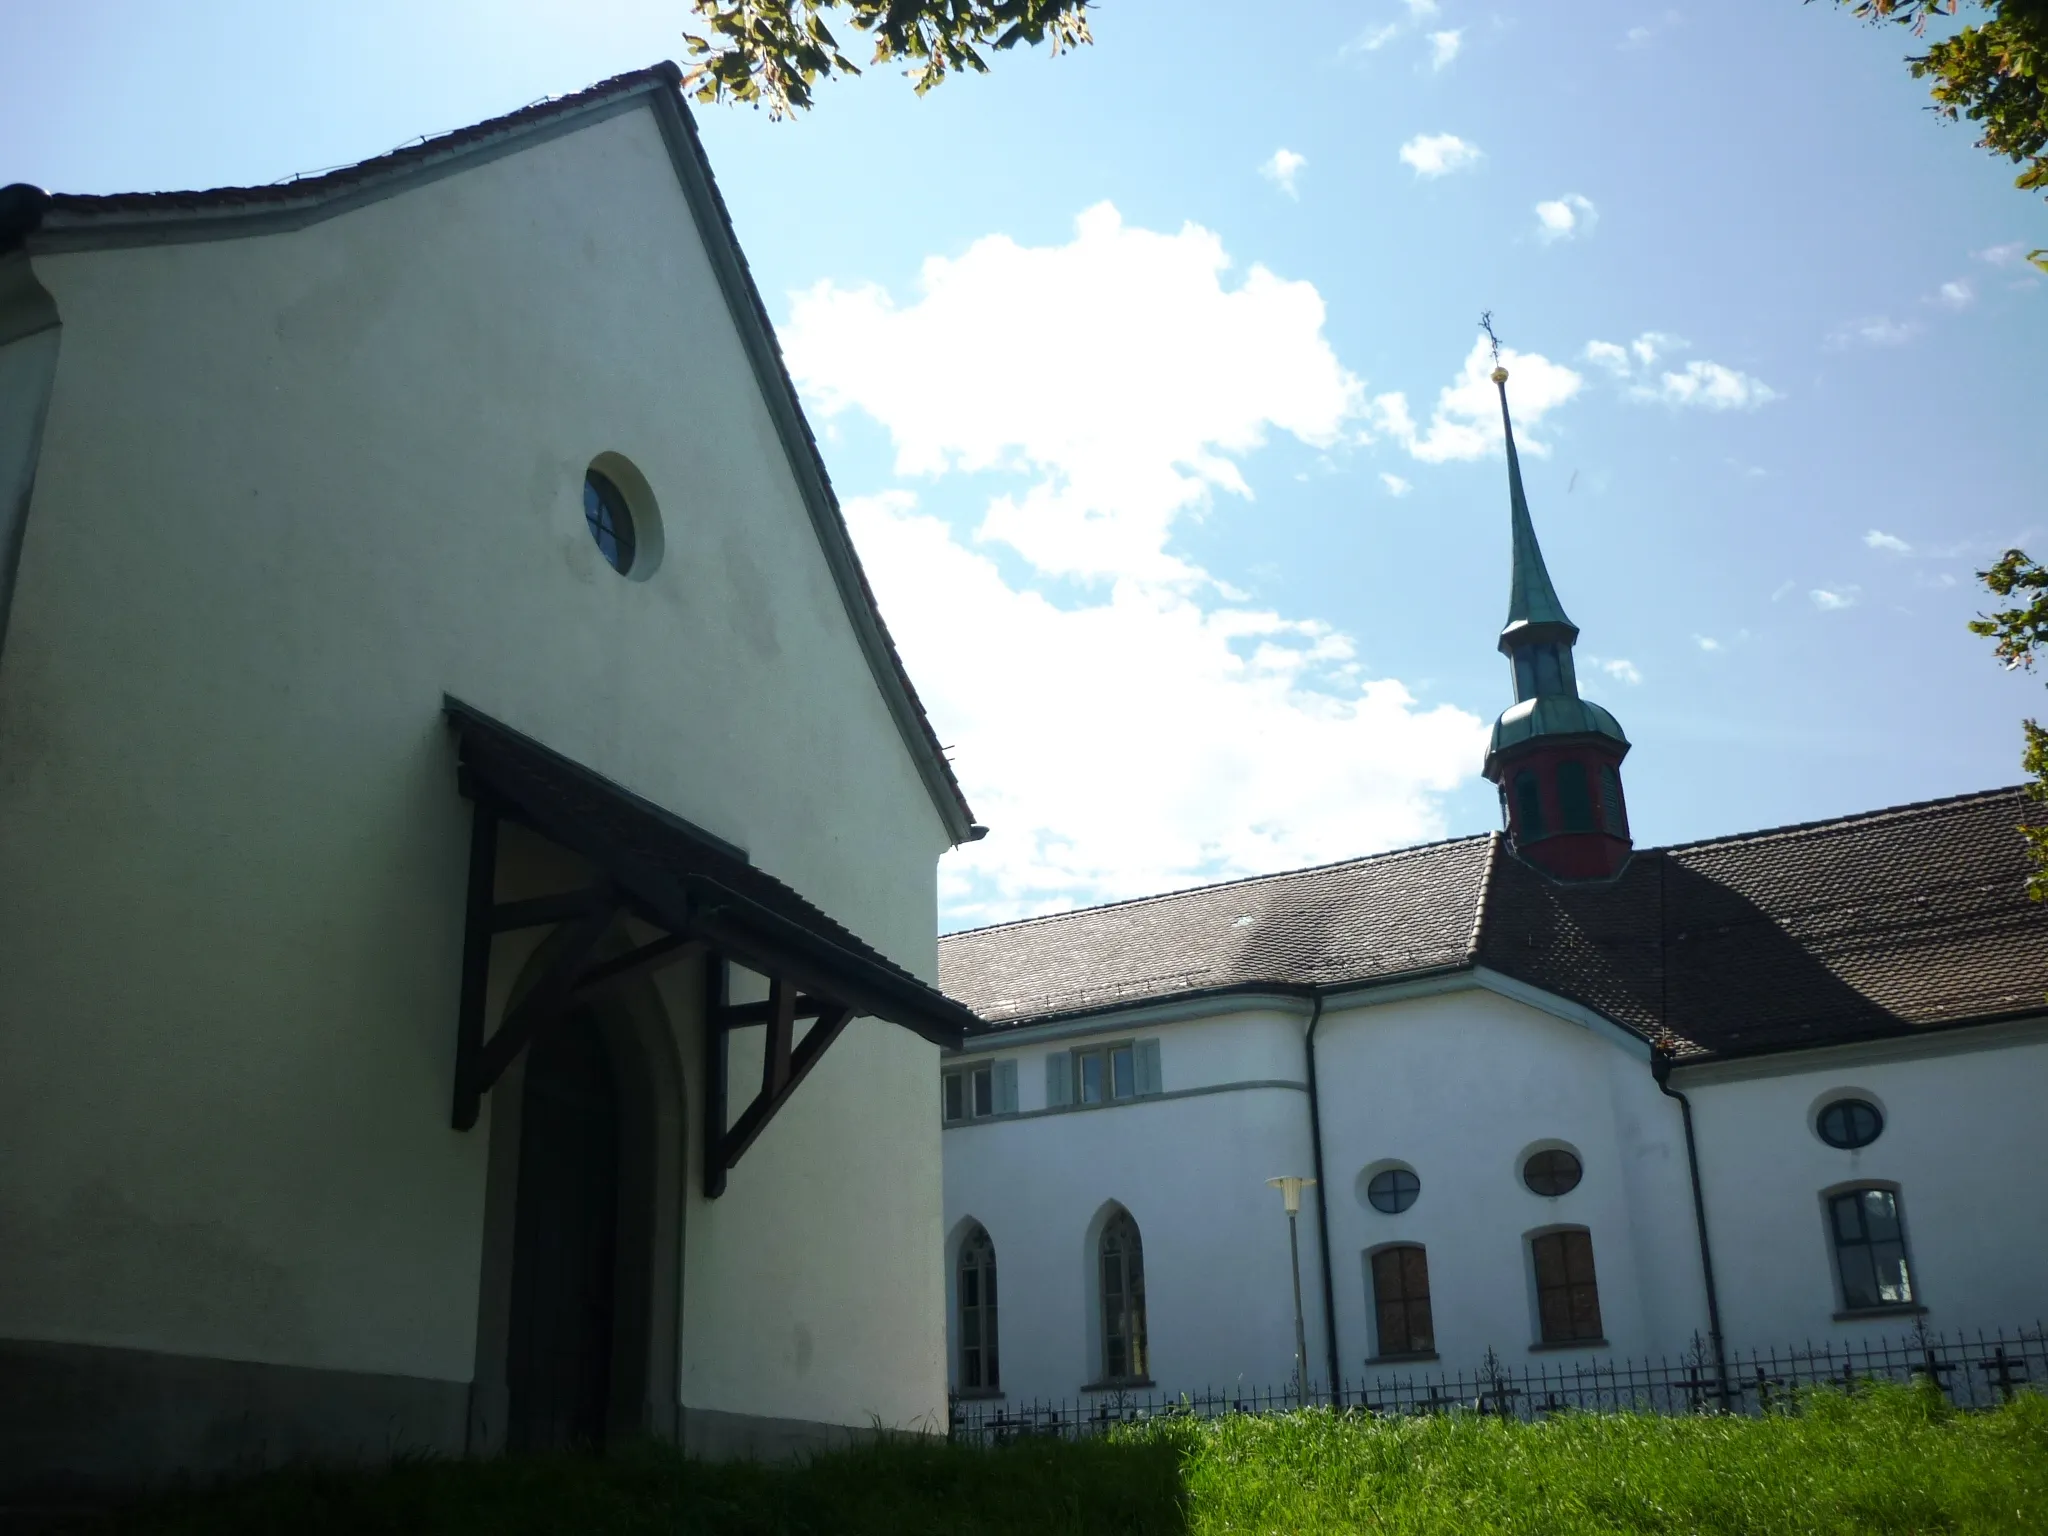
(1855, 818)
(1485, 886)
(1218, 885)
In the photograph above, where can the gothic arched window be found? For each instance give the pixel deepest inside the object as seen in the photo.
(1124, 1356)
(980, 1369)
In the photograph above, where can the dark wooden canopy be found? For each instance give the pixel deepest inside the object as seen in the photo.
(705, 898)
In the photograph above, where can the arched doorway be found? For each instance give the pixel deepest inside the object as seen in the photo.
(558, 1367)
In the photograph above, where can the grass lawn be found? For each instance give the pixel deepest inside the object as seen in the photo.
(1883, 1461)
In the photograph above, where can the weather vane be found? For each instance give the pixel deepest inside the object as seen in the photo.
(1486, 325)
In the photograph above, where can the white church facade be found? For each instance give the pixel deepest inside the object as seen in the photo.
(467, 840)
(1564, 1100)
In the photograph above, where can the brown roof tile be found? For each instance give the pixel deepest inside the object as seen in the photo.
(1866, 926)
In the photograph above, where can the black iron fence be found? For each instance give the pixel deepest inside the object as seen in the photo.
(1973, 1370)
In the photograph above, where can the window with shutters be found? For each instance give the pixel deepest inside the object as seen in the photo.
(980, 1365)
(1400, 1302)
(1612, 815)
(1574, 797)
(1125, 1361)
(1567, 1295)
(1868, 1234)
(1094, 1075)
(978, 1092)
(1529, 801)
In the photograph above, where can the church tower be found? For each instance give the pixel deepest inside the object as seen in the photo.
(1555, 756)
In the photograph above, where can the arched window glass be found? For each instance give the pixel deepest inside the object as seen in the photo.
(1567, 1296)
(1529, 801)
(611, 524)
(1849, 1124)
(1612, 816)
(1553, 1171)
(1400, 1301)
(1574, 797)
(980, 1369)
(1124, 1356)
(1870, 1249)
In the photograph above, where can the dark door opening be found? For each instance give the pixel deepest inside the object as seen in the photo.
(564, 1243)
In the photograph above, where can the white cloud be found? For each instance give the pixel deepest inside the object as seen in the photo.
(1956, 295)
(1466, 421)
(1283, 168)
(1706, 642)
(1372, 39)
(1830, 601)
(1565, 218)
(2011, 254)
(1421, 10)
(1619, 668)
(1181, 375)
(1395, 485)
(1652, 345)
(1157, 729)
(1443, 47)
(1619, 360)
(1709, 386)
(1608, 355)
(1890, 541)
(1874, 331)
(1438, 154)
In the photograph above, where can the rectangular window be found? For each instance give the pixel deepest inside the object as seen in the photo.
(1567, 1297)
(968, 1093)
(1106, 1074)
(1870, 1249)
(1400, 1298)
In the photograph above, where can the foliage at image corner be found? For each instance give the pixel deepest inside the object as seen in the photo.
(769, 53)
(2021, 633)
(1990, 72)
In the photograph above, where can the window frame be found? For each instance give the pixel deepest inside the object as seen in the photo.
(1529, 816)
(1107, 1053)
(1912, 1302)
(1530, 1156)
(973, 1077)
(1129, 1326)
(1407, 1302)
(1393, 1171)
(610, 518)
(977, 1260)
(1844, 1102)
(1561, 1236)
(1576, 811)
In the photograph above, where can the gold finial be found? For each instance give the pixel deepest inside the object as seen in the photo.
(1500, 374)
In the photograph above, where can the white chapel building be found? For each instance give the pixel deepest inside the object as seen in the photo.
(467, 841)
(1564, 1100)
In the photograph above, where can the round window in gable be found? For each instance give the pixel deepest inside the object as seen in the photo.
(1552, 1172)
(1393, 1190)
(610, 520)
(1849, 1124)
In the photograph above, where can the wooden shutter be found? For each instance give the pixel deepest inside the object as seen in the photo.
(1148, 1068)
(1059, 1079)
(1006, 1087)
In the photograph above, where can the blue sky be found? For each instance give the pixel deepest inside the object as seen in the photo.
(1161, 444)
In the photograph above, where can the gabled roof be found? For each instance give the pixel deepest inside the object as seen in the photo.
(40, 222)
(1863, 927)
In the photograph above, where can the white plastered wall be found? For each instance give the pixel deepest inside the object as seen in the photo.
(1964, 1142)
(292, 489)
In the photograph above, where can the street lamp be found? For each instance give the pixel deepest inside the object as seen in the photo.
(1290, 1188)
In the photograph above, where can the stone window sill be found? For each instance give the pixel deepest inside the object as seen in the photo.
(1560, 1344)
(1405, 1359)
(1124, 1384)
(1905, 1309)
(981, 1395)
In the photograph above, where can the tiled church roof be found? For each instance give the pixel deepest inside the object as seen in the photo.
(1866, 926)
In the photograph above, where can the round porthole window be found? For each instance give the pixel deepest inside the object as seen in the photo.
(1553, 1171)
(1849, 1124)
(610, 520)
(1393, 1190)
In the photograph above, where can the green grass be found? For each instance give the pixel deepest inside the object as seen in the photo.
(1883, 1461)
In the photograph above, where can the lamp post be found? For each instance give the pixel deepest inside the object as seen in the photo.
(1290, 1189)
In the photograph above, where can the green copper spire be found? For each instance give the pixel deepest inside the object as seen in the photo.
(1532, 600)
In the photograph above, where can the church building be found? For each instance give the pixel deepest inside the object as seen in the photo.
(1562, 1098)
(467, 841)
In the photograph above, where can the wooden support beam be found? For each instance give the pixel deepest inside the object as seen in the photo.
(548, 999)
(756, 1116)
(775, 1050)
(546, 911)
(666, 950)
(476, 963)
(739, 1015)
(717, 1048)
